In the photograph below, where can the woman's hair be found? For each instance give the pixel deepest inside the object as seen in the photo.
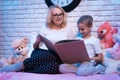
(86, 19)
(49, 17)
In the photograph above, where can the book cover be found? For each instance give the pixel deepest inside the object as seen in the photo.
(70, 51)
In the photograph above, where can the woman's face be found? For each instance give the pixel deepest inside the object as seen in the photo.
(57, 16)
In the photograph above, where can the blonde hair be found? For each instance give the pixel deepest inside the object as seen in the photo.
(49, 22)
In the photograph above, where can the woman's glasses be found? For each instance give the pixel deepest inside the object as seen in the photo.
(58, 15)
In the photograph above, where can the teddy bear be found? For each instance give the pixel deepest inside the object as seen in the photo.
(20, 49)
(105, 32)
(19, 52)
(114, 52)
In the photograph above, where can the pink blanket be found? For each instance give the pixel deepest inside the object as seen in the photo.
(32, 76)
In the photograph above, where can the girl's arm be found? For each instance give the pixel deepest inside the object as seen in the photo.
(98, 58)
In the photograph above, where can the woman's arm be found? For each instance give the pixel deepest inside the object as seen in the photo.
(37, 42)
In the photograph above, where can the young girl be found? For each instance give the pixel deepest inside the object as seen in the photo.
(92, 45)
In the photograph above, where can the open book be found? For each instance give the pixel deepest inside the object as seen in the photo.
(70, 51)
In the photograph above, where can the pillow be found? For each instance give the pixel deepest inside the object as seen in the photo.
(111, 64)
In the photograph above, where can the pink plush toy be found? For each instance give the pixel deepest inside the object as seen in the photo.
(114, 52)
(105, 32)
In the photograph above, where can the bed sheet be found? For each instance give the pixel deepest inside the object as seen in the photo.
(33, 76)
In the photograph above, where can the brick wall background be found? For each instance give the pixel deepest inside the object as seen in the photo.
(18, 18)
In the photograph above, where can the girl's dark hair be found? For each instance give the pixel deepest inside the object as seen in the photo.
(86, 19)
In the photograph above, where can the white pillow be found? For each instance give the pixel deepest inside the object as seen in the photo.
(111, 64)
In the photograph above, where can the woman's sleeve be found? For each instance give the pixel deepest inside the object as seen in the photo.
(32, 39)
(43, 31)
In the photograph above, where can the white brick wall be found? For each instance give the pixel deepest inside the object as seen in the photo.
(18, 18)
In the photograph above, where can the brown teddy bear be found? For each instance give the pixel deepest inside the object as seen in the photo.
(20, 49)
(19, 53)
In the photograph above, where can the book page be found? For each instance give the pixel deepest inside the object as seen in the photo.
(65, 41)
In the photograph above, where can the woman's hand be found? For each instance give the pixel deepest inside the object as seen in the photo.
(38, 39)
(37, 42)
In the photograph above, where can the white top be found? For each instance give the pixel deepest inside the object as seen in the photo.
(92, 45)
(53, 35)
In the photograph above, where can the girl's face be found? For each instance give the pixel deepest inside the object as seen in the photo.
(84, 30)
(57, 16)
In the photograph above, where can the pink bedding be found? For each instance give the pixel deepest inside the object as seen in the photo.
(32, 76)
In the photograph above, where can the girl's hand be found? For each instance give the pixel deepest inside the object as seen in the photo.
(92, 58)
(98, 58)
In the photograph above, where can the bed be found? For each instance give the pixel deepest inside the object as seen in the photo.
(33, 76)
(110, 63)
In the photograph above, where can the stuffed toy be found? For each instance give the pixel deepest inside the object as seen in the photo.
(20, 49)
(19, 53)
(105, 32)
(114, 52)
